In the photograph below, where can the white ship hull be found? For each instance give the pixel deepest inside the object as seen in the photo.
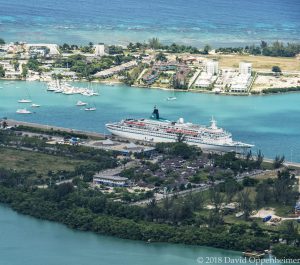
(203, 146)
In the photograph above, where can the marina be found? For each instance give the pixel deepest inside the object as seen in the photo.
(137, 132)
(67, 89)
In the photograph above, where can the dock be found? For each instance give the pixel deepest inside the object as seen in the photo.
(14, 123)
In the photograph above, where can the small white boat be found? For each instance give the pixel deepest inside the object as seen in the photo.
(23, 111)
(86, 93)
(80, 103)
(171, 98)
(24, 101)
(33, 105)
(90, 109)
(217, 90)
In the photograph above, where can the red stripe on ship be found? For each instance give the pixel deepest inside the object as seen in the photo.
(135, 123)
(181, 131)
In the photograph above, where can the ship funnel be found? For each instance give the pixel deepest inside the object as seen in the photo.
(155, 113)
(181, 120)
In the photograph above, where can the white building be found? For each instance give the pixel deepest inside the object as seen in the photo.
(212, 67)
(53, 48)
(245, 68)
(99, 49)
(113, 181)
(205, 80)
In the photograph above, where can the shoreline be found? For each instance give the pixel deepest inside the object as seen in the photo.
(100, 227)
(47, 127)
(112, 83)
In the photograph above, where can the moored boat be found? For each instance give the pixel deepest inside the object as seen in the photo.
(156, 129)
(33, 105)
(23, 111)
(81, 103)
(24, 101)
(90, 109)
(171, 98)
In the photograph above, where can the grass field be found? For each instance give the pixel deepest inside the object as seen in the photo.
(29, 160)
(259, 62)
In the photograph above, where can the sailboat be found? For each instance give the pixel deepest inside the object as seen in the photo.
(172, 97)
(25, 100)
(28, 100)
(94, 107)
(92, 91)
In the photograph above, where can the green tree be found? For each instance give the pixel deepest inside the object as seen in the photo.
(154, 43)
(263, 194)
(16, 64)
(278, 161)
(231, 187)
(24, 70)
(2, 41)
(290, 232)
(282, 251)
(259, 159)
(245, 203)
(33, 64)
(283, 187)
(276, 70)
(206, 49)
(161, 57)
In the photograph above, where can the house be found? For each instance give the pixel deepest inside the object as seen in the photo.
(100, 50)
(42, 49)
(116, 69)
(150, 78)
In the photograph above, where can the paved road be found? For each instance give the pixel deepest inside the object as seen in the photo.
(159, 196)
(48, 127)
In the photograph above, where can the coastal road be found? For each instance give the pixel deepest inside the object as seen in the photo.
(14, 123)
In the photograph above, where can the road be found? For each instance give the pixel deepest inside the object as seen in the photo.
(14, 123)
(159, 196)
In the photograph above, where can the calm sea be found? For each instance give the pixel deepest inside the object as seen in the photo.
(271, 123)
(28, 241)
(196, 22)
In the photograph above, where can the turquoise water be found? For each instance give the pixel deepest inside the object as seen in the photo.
(28, 241)
(193, 22)
(271, 123)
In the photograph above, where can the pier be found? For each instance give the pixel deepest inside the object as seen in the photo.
(14, 123)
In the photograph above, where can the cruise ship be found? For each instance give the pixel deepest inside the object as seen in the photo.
(156, 129)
